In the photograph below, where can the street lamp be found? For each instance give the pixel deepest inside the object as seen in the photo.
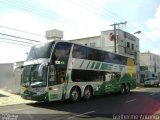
(138, 32)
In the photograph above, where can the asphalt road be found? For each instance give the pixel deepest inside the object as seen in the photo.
(140, 102)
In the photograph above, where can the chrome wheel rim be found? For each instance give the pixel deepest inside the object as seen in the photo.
(74, 95)
(87, 94)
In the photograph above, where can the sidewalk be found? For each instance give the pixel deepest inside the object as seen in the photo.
(7, 98)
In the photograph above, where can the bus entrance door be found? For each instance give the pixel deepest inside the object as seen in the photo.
(56, 90)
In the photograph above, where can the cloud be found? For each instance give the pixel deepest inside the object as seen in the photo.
(155, 51)
(22, 21)
(153, 24)
(12, 53)
(72, 17)
(77, 19)
(149, 39)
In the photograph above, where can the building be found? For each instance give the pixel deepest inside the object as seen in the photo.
(17, 76)
(126, 44)
(6, 76)
(149, 65)
(54, 34)
(10, 76)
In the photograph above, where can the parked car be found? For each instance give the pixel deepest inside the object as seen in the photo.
(151, 81)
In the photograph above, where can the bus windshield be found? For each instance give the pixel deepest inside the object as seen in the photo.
(32, 77)
(40, 51)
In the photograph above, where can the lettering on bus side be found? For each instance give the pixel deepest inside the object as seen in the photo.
(106, 66)
(97, 65)
(93, 65)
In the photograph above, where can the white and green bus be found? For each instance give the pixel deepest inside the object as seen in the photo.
(60, 70)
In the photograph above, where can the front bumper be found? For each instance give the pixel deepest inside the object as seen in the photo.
(35, 97)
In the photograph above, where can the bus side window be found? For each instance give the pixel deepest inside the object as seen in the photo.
(61, 51)
(79, 52)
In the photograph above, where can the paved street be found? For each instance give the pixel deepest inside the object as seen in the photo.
(7, 98)
(140, 101)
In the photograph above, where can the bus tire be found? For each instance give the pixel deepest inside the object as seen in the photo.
(74, 94)
(123, 89)
(128, 88)
(88, 93)
(158, 85)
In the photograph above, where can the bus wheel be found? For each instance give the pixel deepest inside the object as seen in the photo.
(87, 93)
(127, 88)
(122, 89)
(158, 85)
(74, 94)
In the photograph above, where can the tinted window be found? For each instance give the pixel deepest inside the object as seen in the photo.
(57, 71)
(93, 54)
(104, 56)
(82, 52)
(79, 52)
(61, 51)
(113, 58)
(87, 75)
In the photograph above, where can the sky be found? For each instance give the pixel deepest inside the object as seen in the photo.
(29, 19)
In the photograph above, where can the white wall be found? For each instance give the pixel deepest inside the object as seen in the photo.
(6, 76)
(151, 60)
(10, 78)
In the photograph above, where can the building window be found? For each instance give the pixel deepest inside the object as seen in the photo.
(132, 46)
(93, 44)
(85, 44)
(153, 59)
(128, 45)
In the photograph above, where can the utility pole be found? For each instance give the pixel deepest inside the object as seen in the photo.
(115, 36)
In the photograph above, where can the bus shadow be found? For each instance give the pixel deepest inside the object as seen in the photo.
(109, 103)
(106, 106)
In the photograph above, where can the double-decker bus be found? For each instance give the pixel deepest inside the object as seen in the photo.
(60, 70)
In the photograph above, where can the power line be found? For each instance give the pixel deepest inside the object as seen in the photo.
(112, 13)
(97, 6)
(16, 40)
(19, 37)
(91, 9)
(15, 43)
(21, 31)
(24, 5)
